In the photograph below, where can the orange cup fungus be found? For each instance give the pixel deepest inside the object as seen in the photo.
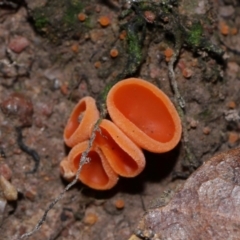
(112, 154)
(97, 173)
(104, 21)
(143, 117)
(80, 124)
(145, 114)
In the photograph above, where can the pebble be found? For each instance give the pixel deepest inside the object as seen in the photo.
(193, 123)
(90, 218)
(149, 16)
(19, 106)
(5, 171)
(231, 105)
(206, 130)
(96, 35)
(226, 11)
(3, 204)
(233, 137)
(30, 193)
(9, 191)
(18, 44)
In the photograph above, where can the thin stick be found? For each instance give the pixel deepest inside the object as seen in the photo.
(190, 159)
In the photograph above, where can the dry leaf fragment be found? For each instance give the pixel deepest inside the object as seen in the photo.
(206, 207)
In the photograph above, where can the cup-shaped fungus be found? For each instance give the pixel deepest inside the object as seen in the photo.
(96, 173)
(81, 122)
(123, 155)
(145, 114)
(112, 154)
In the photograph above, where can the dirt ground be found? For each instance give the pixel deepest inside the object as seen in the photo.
(48, 67)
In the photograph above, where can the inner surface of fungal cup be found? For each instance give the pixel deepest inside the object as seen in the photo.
(124, 156)
(81, 122)
(145, 114)
(96, 173)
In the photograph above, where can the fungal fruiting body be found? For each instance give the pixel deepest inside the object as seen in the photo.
(123, 155)
(112, 154)
(97, 173)
(143, 118)
(145, 114)
(81, 121)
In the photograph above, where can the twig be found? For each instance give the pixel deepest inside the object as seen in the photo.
(190, 159)
(83, 160)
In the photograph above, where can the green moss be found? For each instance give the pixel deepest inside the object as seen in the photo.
(205, 114)
(195, 34)
(134, 48)
(88, 23)
(72, 10)
(41, 20)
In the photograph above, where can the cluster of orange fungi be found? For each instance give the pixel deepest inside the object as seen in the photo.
(143, 117)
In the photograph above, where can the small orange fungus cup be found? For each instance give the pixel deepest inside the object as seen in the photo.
(81, 122)
(125, 157)
(145, 114)
(112, 154)
(97, 173)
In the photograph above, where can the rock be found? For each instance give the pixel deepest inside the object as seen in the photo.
(206, 207)
(19, 106)
(18, 44)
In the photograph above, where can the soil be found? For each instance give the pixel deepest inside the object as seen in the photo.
(47, 66)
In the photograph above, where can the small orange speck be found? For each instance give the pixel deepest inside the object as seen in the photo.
(64, 89)
(224, 29)
(75, 48)
(104, 21)
(114, 53)
(82, 17)
(231, 105)
(123, 35)
(187, 73)
(46, 178)
(97, 64)
(194, 62)
(90, 218)
(234, 31)
(206, 130)
(233, 137)
(119, 204)
(168, 54)
(149, 16)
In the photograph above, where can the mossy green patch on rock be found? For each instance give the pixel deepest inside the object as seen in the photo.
(58, 19)
(73, 8)
(41, 20)
(195, 34)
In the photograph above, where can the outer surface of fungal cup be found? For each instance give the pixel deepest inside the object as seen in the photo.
(145, 114)
(81, 122)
